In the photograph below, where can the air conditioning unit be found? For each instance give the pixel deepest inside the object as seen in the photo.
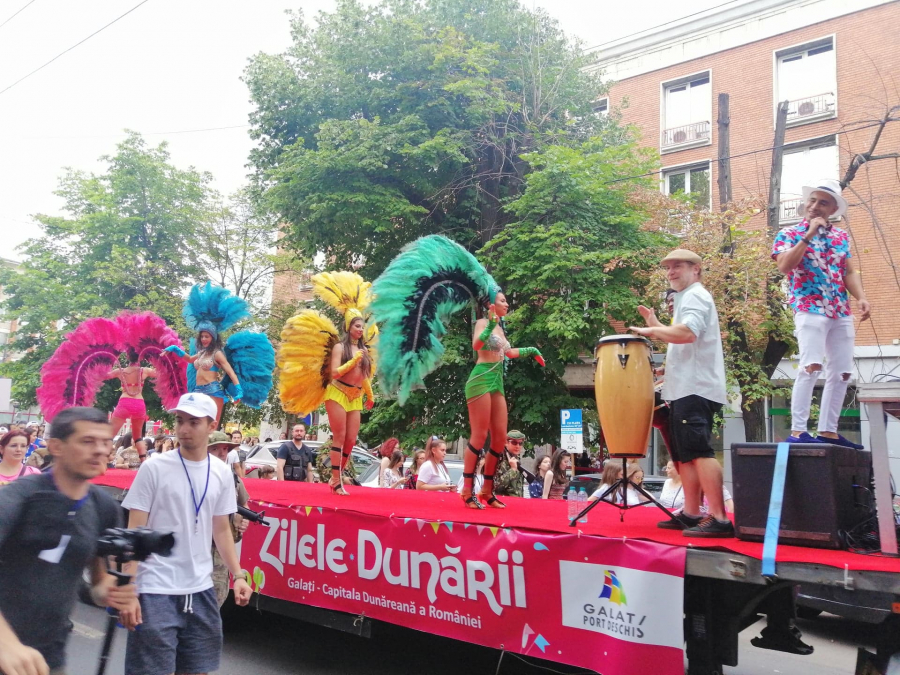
(679, 136)
(806, 108)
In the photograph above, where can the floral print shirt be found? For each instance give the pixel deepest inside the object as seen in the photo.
(816, 285)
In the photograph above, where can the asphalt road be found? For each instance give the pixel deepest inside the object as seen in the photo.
(272, 645)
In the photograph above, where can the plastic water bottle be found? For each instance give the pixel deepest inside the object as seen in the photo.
(572, 501)
(582, 504)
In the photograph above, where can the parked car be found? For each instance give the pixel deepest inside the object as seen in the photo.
(369, 477)
(264, 454)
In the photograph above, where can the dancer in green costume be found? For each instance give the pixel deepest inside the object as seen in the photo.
(429, 281)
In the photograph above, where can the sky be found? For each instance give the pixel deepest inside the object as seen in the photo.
(171, 66)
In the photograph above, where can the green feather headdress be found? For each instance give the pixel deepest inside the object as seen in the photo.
(430, 280)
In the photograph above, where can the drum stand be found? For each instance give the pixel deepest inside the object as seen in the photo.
(623, 483)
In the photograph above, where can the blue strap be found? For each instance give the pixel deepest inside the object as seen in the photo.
(773, 521)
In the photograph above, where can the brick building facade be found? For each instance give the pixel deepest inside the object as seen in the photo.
(837, 63)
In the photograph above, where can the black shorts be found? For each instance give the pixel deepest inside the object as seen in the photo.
(691, 425)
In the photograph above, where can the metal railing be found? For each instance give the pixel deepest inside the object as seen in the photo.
(698, 131)
(811, 106)
(791, 209)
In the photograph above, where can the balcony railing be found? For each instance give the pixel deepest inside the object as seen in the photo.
(689, 133)
(811, 106)
(791, 209)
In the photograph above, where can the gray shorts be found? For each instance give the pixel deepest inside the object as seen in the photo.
(172, 640)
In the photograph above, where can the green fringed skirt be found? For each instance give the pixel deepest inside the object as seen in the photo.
(485, 378)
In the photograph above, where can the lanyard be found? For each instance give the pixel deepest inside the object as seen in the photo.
(76, 503)
(197, 506)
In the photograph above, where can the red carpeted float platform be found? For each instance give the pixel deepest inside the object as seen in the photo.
(548, 516)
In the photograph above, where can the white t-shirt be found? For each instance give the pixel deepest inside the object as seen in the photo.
(233, 457)
(161, 489)
(432, 474)
(634, 497)
(699, 367)
(477, 484)
(672, 496)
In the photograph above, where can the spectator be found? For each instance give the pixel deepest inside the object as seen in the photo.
(34, 441)
(557, 480)
(478, 483)
(218, 447)
(234, 461)
(295, 458)
(13, 447)
(510, 479)
(268, 439)
(158, 444)
(323, 466)
(391, 476)
(433, 475)
(237, 436)
(132, 457)
(266, 472)
(726, 496)
(386, 451)
(181, 628)
(612, 471)
(412, 473)
(282, 436)
(41, 568)
(541, 468)
(597, 461)
(672, 495)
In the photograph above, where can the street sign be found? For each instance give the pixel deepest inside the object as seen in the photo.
(571, 437)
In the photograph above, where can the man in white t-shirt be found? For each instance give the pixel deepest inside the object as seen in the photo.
(695, 389)
(191, 494)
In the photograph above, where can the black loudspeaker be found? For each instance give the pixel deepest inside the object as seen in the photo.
(826, 490)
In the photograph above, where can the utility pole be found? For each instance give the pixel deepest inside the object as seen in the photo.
(773, 214)
(723, 124)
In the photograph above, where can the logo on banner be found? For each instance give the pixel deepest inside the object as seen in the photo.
(593, 599)
(612, 588)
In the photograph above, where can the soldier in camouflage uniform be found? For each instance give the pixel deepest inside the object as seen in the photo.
(219, 445)
(510, 479)
(323, 466)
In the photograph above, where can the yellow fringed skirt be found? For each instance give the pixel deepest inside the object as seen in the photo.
(348, 397)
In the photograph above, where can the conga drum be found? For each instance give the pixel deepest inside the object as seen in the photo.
(623, 387)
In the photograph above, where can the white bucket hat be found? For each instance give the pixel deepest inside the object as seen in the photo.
(833, 188)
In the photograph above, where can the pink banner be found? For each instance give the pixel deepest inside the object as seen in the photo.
(611, 605)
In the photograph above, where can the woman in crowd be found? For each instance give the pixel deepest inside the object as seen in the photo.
(412, 473)
(434, 475)
(266, 472)
(121, 444)
(13, 447)
(612, 472)
(541, 469)
(556, 479)
(391, 476)
(386, 450)
(479, 476)
(672, 495)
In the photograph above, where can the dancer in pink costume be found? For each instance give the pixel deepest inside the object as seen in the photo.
(90, 354)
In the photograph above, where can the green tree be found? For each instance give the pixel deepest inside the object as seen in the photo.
(129, 241)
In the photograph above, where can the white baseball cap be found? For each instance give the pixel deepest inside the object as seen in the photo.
(198, 405)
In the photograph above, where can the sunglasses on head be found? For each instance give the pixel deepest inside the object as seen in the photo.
(515, 441)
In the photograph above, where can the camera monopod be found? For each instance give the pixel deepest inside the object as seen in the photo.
(124, 546)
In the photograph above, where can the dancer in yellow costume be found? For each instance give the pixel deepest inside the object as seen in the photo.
(318, 365)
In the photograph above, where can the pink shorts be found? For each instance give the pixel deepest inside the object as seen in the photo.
(131, 408)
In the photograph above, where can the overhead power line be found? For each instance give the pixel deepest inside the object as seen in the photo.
(16, 14)
(662, 25)
(100, 30)
(141, 133)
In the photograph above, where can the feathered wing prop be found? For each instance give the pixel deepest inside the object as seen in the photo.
(148, 335)
(304, 361)
(78, 367)
(431, 279)
(213, 308)
(253, 359)
(191, 371)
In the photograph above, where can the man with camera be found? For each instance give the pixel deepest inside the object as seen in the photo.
(49, 527)
(191, 494)
(295, 459)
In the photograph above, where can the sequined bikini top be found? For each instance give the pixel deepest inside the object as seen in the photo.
(206, 363)
(495, 343)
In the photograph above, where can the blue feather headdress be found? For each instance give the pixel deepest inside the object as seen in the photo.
(431, 279)
(213, 309)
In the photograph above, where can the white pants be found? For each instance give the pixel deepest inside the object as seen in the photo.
(822, 341)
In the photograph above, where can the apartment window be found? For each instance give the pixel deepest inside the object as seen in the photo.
(601, 107)
(805, 77)
(692, 181)
(687, 113)
(801, 165)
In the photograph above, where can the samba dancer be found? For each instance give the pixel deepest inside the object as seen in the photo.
(815, 257)
(695, 389)
(131, 405)
(428, 281)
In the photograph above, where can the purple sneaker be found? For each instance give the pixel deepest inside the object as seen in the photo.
(840, 440)
(802, 438)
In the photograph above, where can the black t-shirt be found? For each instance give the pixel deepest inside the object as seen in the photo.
(296, 460)
(39, 575)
